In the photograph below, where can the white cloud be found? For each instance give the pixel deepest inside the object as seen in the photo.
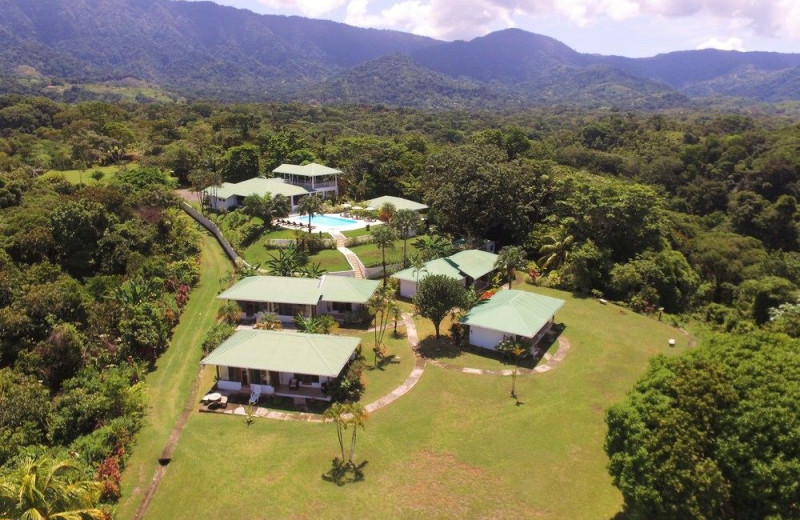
(466, 19)
(309, 8)
(731, 44)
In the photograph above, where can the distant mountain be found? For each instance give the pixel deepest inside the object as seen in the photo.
(400, 81)
(203, 49)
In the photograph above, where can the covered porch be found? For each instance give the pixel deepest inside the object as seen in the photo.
(258, 363)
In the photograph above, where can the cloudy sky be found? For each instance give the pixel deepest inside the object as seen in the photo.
(624, 27)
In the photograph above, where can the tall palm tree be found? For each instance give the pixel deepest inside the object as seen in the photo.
(381, 305)
(384, 237)
(45, 489)
(337, 415)
(357, 418)
(404, 222)
(556, 251)
(310, 205)
(509, 260)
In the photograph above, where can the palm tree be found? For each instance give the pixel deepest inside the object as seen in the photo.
(357, 418)
(381, 305)
(556, 252)
(279, 207)
(46, 489)
(432, 247)
(337, 414)
(384, 237)
(404, 222)
(509, 260)
(310, 205)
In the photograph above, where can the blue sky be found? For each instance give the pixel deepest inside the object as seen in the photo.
(632, 28)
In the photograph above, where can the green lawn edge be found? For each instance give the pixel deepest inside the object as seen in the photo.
(169, 385)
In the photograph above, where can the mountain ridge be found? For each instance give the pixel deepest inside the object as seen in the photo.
(209, 50)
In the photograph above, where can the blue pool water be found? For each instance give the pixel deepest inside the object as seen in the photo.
(328, 221)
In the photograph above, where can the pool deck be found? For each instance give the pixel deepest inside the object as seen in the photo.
(358, 224)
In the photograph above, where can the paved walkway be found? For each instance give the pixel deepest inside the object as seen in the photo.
(408, 384)
(351, 257)
(550, 363)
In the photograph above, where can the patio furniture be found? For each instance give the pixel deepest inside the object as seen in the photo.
(294, 384)
(223, 402)
(212, 397)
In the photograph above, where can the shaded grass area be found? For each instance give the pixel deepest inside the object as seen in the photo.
(370, 254)
(168, 386)
(456, 446)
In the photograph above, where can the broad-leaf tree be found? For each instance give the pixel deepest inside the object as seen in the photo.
(712, 434)
(436, 296)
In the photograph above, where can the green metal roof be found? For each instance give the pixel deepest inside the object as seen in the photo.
(291, 352)
(514, 312)
(301, 291)
(258, 186)
(278, 289)
(438, 266)
(347, 290)
(474, 262)
(398, 202)
(307, 170)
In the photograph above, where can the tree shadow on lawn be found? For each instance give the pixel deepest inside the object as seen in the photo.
(346, 472)
(443, 347)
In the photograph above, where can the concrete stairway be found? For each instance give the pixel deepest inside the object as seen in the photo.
(351, 257)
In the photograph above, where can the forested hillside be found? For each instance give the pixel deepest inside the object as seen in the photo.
(60, 48)
(693, 213)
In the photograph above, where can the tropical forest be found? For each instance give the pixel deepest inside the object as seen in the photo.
(679, 223)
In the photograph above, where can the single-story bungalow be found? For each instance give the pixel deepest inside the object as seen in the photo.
(315, 178)
(398, 203)
(511, 314)
(468, 267)
(289, 296)
(231, 195)
(282, 363)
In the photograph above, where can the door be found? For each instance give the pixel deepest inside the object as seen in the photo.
(274, 379)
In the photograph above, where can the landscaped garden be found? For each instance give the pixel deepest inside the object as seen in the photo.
(456, 446)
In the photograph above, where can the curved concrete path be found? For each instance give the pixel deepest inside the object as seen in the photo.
(408, 384)
(550, 363)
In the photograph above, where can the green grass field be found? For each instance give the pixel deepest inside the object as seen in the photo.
(370, 254)
(168, 386)
(76, 176)
(456, 446)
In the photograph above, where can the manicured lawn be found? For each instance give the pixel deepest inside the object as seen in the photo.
(356, 232)
(75, 176)
(456, 446)
(370, 254)
(169, 385)
(330, 260)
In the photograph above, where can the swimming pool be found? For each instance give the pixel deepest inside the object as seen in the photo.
(329, 221)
